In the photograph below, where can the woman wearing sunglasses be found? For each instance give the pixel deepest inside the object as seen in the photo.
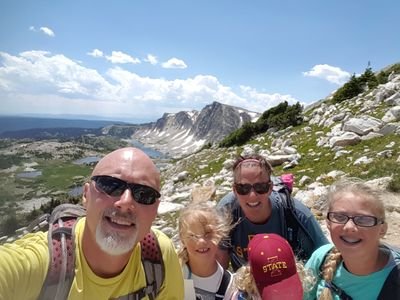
(258, 209)
(357, 265)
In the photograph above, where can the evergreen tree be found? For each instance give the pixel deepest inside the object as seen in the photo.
(349, 90)
(281, 116)
(369, 79)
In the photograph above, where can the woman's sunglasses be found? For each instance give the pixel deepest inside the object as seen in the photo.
(259, 188)
(115, 187)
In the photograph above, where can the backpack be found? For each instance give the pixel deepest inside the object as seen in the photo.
(389, 290)
(284, 186)
(61, 241)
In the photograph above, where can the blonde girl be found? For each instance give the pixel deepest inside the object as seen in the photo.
(357, 265)
(201, 228)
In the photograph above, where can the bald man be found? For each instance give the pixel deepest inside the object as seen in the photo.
(121, 203)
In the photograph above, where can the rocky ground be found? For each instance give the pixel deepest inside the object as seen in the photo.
(177, 193)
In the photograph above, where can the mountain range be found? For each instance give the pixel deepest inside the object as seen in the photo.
(357, 137)
(186, 131)
(173, 134)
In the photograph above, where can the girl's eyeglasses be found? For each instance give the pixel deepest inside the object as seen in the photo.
(360, 220)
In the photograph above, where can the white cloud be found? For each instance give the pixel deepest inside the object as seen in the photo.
(262, 101)
(47, 31)
(329, 73)
(96, 53)
(174, 63)
(118, 57)
(39, 81)
(151, 59)
(40, 73)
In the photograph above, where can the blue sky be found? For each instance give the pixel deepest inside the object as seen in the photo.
(135, 60)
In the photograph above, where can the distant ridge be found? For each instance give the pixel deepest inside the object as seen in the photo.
(17, 123)
(173, 134)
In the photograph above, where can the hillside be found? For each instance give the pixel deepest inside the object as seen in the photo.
(357, 137)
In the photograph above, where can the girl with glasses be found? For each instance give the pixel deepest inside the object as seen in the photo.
(357, 265)
(201, 228)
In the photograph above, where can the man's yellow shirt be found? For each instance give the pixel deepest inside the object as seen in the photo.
(24, 265)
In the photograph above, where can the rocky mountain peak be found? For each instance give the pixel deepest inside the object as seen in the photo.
(187, 131)
(217, 120)
(182, 120)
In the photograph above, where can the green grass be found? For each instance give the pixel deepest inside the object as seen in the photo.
(59, 175)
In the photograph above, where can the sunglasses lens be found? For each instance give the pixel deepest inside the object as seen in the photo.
(116, 187)
(109, 185)
(243, 189)
(144, 194)
(261, 187)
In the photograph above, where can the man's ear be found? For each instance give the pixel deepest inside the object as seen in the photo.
(85, 192)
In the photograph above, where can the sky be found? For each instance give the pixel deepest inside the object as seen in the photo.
(136, 60)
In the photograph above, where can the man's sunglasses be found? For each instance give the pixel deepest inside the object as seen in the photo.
(361, 220)
(259, 188)
(115, 187)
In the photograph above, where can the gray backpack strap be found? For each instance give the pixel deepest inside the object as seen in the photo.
(61, 242)
(154, 269)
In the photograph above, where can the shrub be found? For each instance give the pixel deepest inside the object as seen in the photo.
(394, 184)
(349, 90)
(357, 85)
(382, 77)
(279, 117)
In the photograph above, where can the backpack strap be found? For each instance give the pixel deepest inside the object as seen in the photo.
(226, 279)
(153, 264)
(391, 286)
(61, 243)
(154, 269)
(292, 224)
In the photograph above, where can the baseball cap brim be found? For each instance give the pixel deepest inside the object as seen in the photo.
(287, 289)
